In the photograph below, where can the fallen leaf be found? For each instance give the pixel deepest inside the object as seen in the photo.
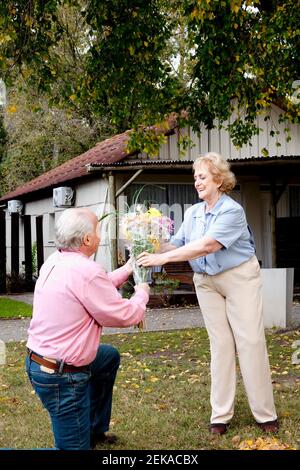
(236, 440)
(268, 443)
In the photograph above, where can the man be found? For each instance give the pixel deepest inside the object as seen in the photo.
(73, 299)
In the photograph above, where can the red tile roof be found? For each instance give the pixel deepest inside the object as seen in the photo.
(108, 151)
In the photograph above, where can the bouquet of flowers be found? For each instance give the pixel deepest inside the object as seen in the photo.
(144, 229)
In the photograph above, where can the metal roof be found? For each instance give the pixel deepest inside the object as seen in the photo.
(152, 162)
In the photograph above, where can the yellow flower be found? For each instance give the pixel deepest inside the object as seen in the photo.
(154, 212)
(155, 243)
(128, 235)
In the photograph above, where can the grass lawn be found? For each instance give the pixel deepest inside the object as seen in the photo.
(14, 309)
(161, 397)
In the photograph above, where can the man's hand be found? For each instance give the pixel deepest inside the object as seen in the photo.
(144, 286)
(148, 259)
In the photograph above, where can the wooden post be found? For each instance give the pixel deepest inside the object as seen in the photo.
(112, 228)
(39, 241)
(2, 252)
(28, 252)
(273, 228)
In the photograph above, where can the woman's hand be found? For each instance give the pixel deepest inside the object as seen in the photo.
(148, 259)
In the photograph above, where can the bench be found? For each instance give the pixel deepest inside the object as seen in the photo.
(181, 271)
(183, 294)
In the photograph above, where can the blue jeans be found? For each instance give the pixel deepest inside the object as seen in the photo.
(79, 403)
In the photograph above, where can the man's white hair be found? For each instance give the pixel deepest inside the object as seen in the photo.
(71, 228)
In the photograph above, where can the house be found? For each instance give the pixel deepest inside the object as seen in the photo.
(105, 178)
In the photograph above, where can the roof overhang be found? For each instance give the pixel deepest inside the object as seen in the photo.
(259, 164)
(267, 168)
(250, 160)
(280, 167)
(140, 165)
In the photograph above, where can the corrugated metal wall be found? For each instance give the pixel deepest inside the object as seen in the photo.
(218, 140)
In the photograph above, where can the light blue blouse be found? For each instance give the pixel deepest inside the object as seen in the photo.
(225, 222)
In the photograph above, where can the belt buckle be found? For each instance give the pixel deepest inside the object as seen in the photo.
(60, 365)
(47, 370)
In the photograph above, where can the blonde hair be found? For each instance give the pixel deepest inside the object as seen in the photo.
(219, 168)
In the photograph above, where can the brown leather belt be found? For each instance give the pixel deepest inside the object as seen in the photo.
(56, 366)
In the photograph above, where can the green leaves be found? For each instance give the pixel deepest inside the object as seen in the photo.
(37, 137)
(245, 53)
(135, 62)
(146, 140)
(241, 132)
(129, 79)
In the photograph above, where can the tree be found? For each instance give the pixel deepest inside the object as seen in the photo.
(3, 137)
(120, 71)
(40, 137)
(241, 55)
(43, 126)
(125, 70)
(248, 50)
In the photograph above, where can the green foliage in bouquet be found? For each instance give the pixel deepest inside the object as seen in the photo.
(140, 273)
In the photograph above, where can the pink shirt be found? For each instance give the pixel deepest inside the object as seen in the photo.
(73, 299)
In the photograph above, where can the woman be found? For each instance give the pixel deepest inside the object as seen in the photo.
(215, 238)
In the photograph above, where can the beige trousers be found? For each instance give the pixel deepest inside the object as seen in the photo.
(231, 304)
